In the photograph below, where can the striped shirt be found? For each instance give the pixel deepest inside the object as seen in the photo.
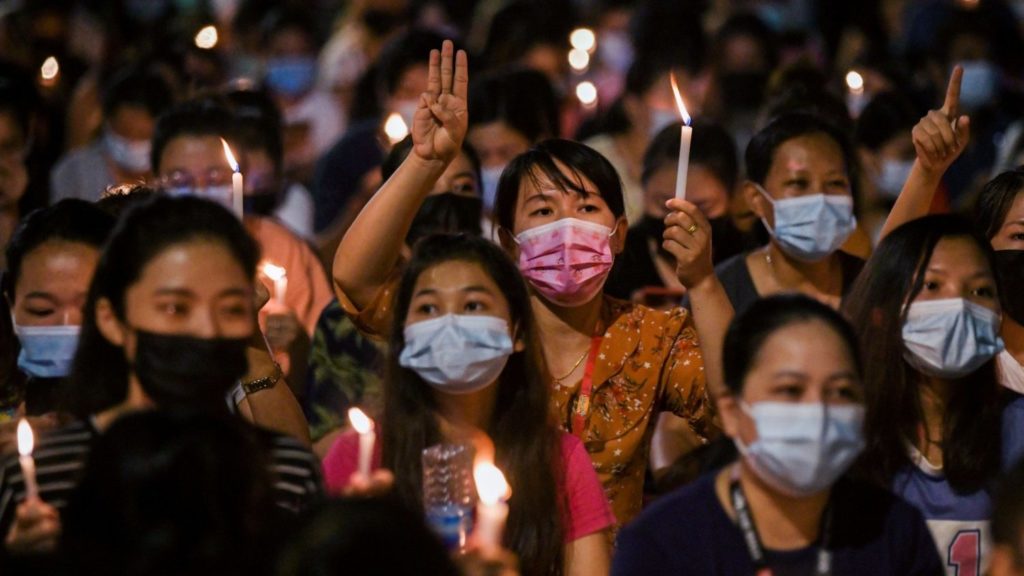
(62, 454)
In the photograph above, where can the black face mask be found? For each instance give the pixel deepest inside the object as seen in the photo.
(726, 239)
(743, 91)
(188, 373)
(446, 214)
(1010, 277)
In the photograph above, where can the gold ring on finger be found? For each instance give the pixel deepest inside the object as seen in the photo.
(691, 229)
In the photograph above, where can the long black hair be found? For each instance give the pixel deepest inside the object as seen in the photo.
(526, 441)
(877, 306)
(99, 377)
(996, 199)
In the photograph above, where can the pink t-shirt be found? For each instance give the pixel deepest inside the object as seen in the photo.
(589, 511)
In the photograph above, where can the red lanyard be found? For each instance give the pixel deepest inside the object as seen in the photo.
(582, 407)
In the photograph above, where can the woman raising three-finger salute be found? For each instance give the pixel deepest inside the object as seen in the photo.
(611, 366)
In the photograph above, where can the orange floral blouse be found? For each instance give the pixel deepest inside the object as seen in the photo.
(649, 362)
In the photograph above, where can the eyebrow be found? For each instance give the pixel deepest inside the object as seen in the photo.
(183, 292)
(978, 274)
(38, 294)
(467, 289)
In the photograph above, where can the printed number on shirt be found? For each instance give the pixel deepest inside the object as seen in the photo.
(965, 553)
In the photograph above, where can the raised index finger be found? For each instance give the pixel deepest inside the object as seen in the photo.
(434, 73)
(951, 107)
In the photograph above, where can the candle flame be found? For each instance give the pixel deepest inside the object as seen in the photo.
(855, 82)
(26, 440)
(490, 483)
(587, 93)
(49, 69)
(229, 155)
(583, 39)
(360, 421)
(207, 37)
(273, 271)
(679, 99)
(579, 59)
(395, 128)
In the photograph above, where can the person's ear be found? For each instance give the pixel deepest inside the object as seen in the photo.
(729, 413)
(759, 205)
(617, 241)
(518, 344)
(108, 323)
(508, 242)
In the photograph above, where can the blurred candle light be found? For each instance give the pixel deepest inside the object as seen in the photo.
(579, 60)
(395, 128)
(362, 424)
(280, 278)
(583, 39)
(237, 183)
(587, 94)
(207, 37)
(26, 443)
(685, 137)
(492, 510)
(856, 98)
(49, 71)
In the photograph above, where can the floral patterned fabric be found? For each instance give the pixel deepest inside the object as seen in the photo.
(649, 362)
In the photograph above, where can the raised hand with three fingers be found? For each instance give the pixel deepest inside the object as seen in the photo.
(440, 123)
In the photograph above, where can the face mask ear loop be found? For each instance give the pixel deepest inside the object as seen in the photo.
(764, 193)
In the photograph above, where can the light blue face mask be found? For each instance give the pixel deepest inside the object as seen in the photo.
(979, 85)
(802, 449)
(811, 227)
(950, 338)
(219, 194)
(659, 119)
(291, 77)
(489, 178)
(47, 351)
(893, 176)
(457, 354)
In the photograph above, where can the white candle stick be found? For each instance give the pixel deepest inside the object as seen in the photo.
(237, 183)
(280, 278)
(364, 426)
(685, 137)
(492, 510)
(26, 443)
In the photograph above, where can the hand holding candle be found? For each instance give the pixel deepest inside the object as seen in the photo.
(367, 436)
(26, 443)
(237, 184)
(685, 136)
(492, 510)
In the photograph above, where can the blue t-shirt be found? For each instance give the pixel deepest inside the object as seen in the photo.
(689, 532)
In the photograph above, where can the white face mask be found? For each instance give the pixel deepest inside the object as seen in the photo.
(489, 178)
(407, 110)
(893, 176)
(457, 354)
(802, 449)
(219, 194)
(950, 338)
(131, 155)
(811, 227)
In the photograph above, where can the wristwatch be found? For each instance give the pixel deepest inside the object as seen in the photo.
(264, 383)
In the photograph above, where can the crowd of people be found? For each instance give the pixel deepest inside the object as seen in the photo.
(283, 282)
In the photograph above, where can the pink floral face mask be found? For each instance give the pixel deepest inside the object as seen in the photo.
(567, 261)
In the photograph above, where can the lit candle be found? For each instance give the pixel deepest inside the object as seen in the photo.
(492, 510)
(364, 426)
(685, 136)
(49, 71)
(26, 442)
(280, 278)
(856, 99)
(237, 185)
(207, 38)
(395, 128)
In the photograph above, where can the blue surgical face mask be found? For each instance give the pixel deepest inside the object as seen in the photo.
(980, 84)
(47, 351)
(950, 338)
(811, 227)
(894, 174)
(615, 50)
(291, 77)
(131, 155)
(457, 354)
(489, 178)
(802, 449)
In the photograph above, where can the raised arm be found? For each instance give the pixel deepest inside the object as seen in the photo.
(939, 139)
(370, 249)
